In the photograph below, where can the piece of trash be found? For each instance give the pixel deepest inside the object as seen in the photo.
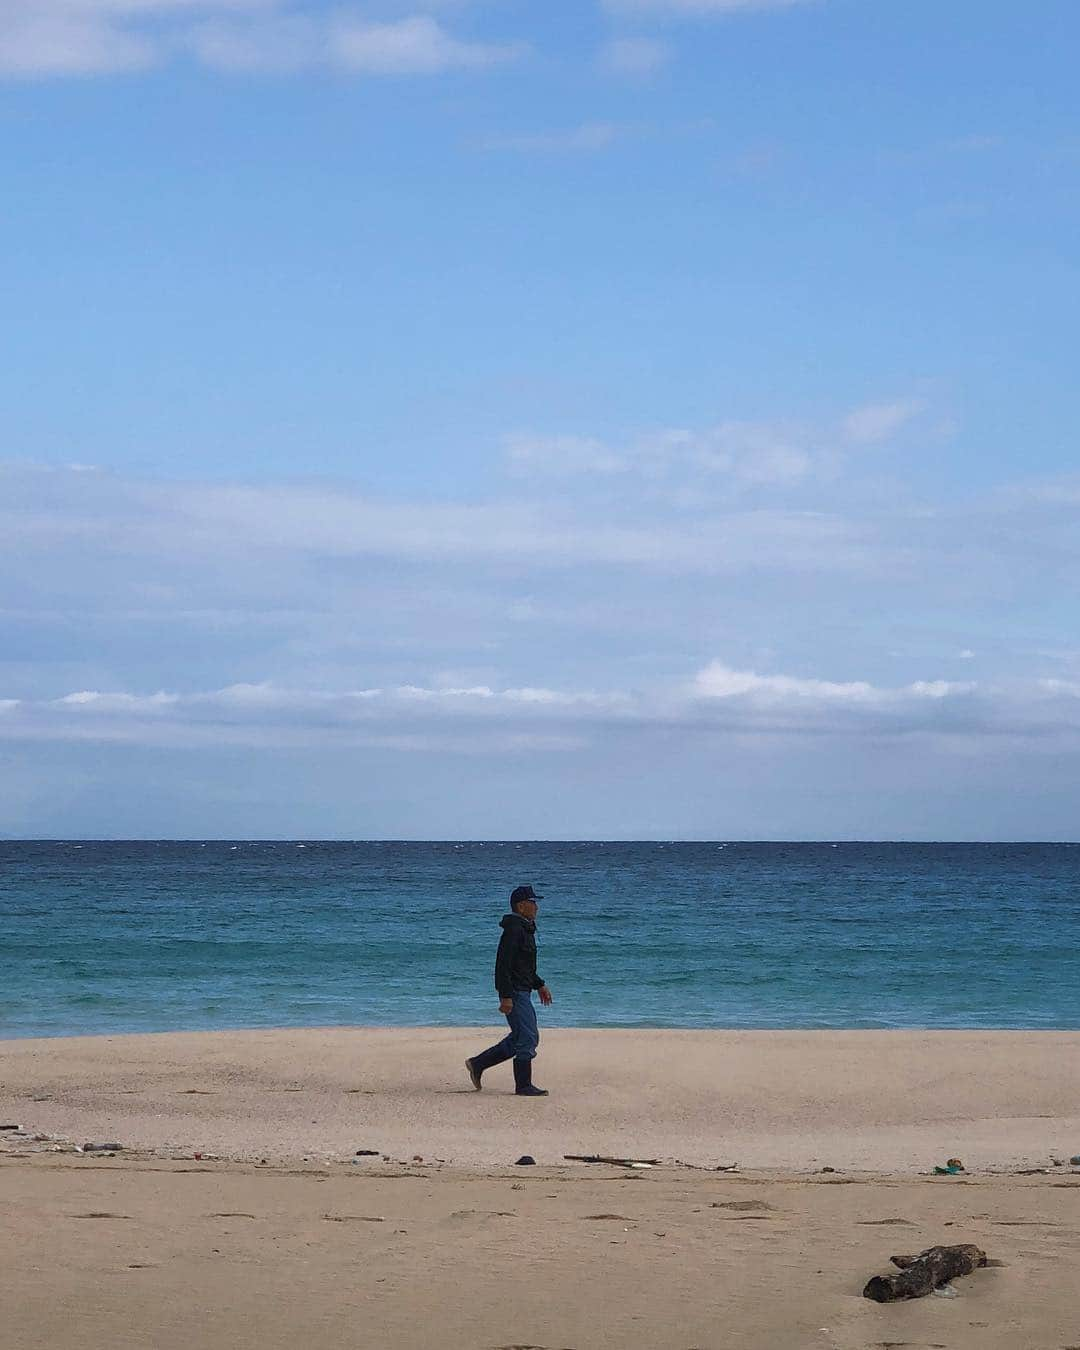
(1058, 1162)
(828, 1169)
(1074, 1161)
(951, 1169)
(417, 1158)
(526, 1160)
(945, 1291)
(197, 1157)
(643, 1165)
(367, 1153)
(10, 1127)
(102, 1148)
(925, 1273)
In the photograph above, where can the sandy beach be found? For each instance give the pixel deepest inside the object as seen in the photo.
(278, 1232)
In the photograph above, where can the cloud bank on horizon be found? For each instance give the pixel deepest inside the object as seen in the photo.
(433, 418)
(425, 631)
(478, 720)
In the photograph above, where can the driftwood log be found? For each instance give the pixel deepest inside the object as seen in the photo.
(615, 1162)
(921, 1275)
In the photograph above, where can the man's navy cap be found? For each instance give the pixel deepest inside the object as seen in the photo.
(523, 893)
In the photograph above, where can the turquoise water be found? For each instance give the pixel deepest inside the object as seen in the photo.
(112, 937)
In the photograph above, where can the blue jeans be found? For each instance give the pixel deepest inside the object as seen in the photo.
(524, 1034)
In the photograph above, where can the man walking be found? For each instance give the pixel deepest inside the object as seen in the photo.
(515, 980)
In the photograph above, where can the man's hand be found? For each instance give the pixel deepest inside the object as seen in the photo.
(506, 1006)
(545, 996)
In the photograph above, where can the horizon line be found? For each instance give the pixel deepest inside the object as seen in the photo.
(316, 839)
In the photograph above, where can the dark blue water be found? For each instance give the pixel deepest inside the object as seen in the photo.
(111, 937)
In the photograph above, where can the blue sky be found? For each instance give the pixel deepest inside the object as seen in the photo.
(649, 418)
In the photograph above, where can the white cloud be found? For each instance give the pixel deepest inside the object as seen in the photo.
(938, 688)
(1070, 688)
(69, 37)
(480, 718)
(275, 43)
(736, 455)
(634, 56)
(133, 703)
(743, 452)
(470, 719)
(59, 42)
(165, 524)
(563, 456)
(877, 422)
(720, 681)
(415, 46)
(589, 136)
(176, 612)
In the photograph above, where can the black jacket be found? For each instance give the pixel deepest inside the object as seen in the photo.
(515, 964)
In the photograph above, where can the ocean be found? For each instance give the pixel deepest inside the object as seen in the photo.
(158, 936)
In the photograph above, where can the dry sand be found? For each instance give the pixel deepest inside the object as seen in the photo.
(158, 1252)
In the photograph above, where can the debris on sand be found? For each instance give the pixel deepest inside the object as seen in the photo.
(925, 1273)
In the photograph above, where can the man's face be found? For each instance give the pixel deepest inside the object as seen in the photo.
(527, 909)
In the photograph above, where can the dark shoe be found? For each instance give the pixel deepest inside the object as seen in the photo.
(474, 1067)
(523, 1083)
